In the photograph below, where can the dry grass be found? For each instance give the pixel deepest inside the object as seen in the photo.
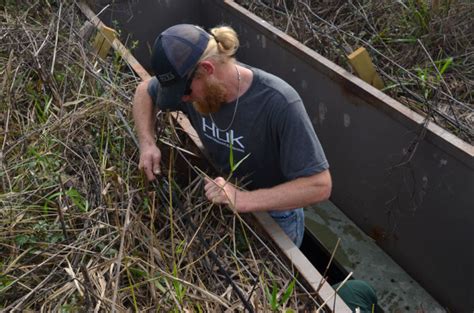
(79, 228)
(424, 54)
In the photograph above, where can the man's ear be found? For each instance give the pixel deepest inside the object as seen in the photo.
(207, 67)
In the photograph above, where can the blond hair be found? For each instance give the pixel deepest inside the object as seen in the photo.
(222, 46)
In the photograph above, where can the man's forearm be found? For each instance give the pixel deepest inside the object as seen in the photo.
(294, 194)
(144, 115)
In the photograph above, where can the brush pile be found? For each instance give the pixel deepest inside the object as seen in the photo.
(80, 230)
(424, 50)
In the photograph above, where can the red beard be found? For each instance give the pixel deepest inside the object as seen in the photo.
(215, 95)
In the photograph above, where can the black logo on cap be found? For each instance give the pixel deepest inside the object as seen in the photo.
(166, 77)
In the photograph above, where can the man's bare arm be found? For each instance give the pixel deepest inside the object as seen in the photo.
(297, 193)
(144, 114)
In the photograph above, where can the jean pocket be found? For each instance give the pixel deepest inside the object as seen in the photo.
(287, 221)
(292, 223)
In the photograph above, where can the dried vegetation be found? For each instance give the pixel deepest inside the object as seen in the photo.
(423, 49)
(79, 228)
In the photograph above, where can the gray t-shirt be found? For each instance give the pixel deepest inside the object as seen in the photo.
(271, 126)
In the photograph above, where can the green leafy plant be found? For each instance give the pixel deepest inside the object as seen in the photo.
(76, 198)
(131, 287)
(420, 14)
(233, 165)
(416, 16)
(276, 301)
(443, 66)
(42, 106)
(159, 283)
(430, 76)
(179, 288)
(5, 281)
(40, 161)
(180, 247)
(42, 231)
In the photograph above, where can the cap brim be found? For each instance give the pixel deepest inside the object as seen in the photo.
(171, 95)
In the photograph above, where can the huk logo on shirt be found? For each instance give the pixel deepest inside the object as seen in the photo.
(212, 132)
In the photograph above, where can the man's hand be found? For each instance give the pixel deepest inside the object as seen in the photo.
(221, 192)
(150, 157)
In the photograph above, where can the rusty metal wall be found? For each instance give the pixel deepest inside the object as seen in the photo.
(420, 209)
(414, 197)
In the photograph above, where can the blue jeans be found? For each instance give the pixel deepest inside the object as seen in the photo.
(292, 223)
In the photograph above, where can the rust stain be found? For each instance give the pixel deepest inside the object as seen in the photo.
(378, 234)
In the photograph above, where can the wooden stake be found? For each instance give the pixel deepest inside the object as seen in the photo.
(103, 40)
(362, 64)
